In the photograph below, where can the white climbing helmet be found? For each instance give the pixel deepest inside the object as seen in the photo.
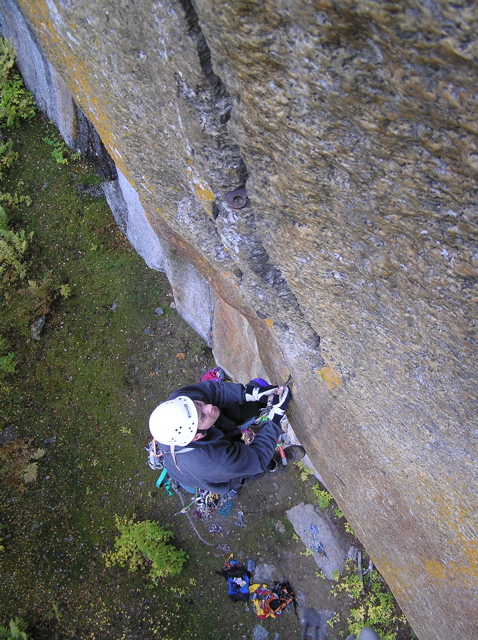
(174, 422)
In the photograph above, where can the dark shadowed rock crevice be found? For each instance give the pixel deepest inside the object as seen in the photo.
(211, 100)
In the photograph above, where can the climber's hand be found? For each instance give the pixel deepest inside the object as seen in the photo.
(280, 402)
(254, 393)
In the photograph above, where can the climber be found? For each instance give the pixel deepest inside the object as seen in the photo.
(197, 432)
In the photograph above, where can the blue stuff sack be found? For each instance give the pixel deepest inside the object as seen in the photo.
(238, 580)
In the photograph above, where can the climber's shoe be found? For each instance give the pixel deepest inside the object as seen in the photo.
(293, 453)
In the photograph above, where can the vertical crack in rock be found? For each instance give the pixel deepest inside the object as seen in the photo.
(221, 164)
(224, 165)
(239, 235)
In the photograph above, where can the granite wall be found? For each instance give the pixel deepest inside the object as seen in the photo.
(305, 173)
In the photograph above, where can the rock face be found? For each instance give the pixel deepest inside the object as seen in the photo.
(352, 265)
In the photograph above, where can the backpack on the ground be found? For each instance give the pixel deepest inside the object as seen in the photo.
(272, 601)
(238, 580)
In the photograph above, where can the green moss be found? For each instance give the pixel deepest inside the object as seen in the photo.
(83, 393)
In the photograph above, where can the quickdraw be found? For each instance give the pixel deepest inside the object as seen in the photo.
(206, 503)
(248, 433)
(155, 456)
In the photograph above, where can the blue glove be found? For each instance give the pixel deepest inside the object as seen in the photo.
(279, 405)
(254, 393)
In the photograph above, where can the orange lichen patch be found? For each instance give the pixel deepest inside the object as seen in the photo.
(79, 70)
(203, 192)
(396, 578)
(270, 322)
(330, 376)
(436, 569)
(452, 509)
(160, 212)
(451, 572)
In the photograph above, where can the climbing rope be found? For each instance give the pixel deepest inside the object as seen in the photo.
(185, 510)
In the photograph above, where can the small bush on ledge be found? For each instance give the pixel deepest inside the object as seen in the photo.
(145, 543)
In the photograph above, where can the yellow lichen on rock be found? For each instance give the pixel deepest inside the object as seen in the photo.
(201, 188)
(330, 376)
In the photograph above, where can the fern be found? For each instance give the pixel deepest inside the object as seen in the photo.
(16, 102)
(43, 293)
(30, 472)
(7, 156)
(16, 630)
(58, 148)
(13, 247)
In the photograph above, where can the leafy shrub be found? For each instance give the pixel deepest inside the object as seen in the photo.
(323, 497)
(16, 630)
(16, 102)
(145, 543)
(373, 607)
(59, 148)
(304, 471)
(7, 363)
